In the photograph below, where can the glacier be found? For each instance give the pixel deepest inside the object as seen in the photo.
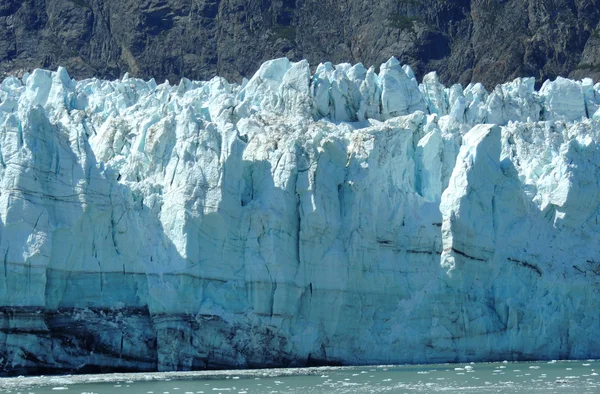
(345, 216)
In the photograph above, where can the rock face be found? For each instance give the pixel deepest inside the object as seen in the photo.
(342, 217)
(486, 41)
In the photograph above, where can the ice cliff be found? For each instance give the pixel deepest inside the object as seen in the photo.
(345, 216)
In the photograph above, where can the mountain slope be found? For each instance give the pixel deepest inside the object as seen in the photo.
(487, 41)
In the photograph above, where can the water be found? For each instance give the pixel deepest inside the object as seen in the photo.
(562, 377)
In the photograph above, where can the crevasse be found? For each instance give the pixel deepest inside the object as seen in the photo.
(346, 216)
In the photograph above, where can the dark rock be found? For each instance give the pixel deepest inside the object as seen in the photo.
(489, 41)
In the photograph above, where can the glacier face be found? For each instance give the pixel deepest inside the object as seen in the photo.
(342, 217)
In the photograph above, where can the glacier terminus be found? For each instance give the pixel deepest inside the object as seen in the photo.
(341, 216)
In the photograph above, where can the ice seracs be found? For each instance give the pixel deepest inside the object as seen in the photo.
(468, 203)
(346, 216)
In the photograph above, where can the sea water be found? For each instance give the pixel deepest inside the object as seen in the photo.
(499, 377)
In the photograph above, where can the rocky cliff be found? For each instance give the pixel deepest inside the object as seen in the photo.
(347, 217)
(487, 41)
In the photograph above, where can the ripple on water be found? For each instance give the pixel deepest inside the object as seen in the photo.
(482, 378)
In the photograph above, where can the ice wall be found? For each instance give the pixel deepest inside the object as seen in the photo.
(342, 217)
